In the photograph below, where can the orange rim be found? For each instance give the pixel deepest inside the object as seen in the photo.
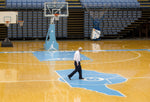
(7, 22)
(20, 21)
(56, 14)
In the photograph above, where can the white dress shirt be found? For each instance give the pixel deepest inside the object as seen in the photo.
(77, 56)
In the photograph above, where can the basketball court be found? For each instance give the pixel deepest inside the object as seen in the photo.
(114, 71)
(34, 64)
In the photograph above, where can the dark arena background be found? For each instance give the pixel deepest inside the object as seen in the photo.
(123, 19)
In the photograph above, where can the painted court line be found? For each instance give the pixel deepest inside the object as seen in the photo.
(63, 79)
(27, 81)
(82, 51)
(139, 55)
(140, 78)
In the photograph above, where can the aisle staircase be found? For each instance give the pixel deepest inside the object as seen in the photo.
(144, 3)
(3, 28)
(2, 4)
(130, 30)
(3, 31)
(74, 4)
(75, 25)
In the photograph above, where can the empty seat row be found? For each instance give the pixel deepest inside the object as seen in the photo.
(24, 4)
(110, 3)
(34, 1)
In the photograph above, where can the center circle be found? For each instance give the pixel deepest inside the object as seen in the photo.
(93, 79)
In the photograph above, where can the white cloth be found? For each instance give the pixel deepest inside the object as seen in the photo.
(77, 56)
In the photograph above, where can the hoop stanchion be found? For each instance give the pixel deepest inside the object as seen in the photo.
(97, 18)
(51, 44)
(54, 10)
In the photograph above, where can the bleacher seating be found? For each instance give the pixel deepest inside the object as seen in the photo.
(27, 4)
(110, 3)
(36, 26)
(120, 14)
(115, 19)
(113, 22)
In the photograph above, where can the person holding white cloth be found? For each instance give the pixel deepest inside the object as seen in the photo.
(77, 64)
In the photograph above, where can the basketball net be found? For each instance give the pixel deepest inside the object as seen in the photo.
(56, 17)
(21, 23)
(7, 23)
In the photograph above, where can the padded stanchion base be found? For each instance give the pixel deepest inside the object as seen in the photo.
(6, 43)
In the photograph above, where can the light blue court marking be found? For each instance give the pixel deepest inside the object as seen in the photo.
(129, 50)
(115, 50)
(148, 50)
(19, 52)
(94, 81)
(61, 80)
(56, 55)
(82, 51)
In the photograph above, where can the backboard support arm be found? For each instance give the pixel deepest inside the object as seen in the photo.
(54, 10)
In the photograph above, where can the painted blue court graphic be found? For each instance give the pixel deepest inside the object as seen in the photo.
(68, 55)
(94, 81)
(82, 51)
(56, 55)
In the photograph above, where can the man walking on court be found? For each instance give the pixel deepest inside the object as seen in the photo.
(77, 64)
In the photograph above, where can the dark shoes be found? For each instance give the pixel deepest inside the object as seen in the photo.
(81, 78)
(69, 77)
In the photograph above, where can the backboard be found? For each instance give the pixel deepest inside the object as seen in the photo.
(8, 16)
(52, 8)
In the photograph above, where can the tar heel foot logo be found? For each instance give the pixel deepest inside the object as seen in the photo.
(94, 81)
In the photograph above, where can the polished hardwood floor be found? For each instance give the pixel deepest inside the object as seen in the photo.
(23, 78)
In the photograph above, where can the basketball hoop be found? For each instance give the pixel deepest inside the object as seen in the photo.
(21, 23)
(56, 17)
(7, 23)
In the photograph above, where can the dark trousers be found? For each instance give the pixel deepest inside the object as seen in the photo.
(77, 69)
